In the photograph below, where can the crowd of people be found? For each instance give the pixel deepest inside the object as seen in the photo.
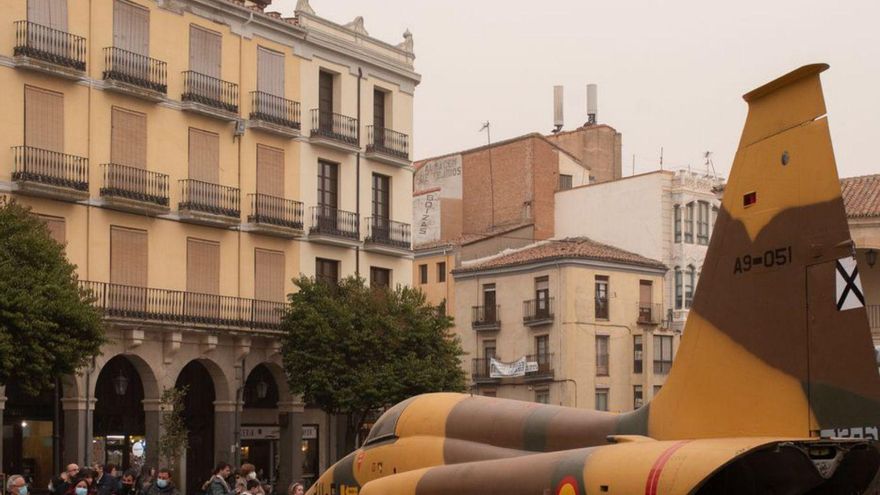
(108, 480)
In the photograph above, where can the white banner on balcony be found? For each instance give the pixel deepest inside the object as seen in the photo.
(499, 369)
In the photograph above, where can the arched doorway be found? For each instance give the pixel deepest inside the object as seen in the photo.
(119, 419)
(198, 415)
(259, 423)
(28, 422)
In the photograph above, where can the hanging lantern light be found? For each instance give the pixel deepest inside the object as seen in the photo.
(120, 384)
(262, 389)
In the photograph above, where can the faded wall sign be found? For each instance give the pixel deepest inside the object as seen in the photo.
(444, 173)
(426, 210)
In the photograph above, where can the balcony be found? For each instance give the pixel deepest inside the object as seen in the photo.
(48, 50)
(650, 314)
(274, 216)
(537, 312)
(335, 131)
(209, 96)
(140, 305)
(134, 74)
(539, 367)
(486, 318)
(209, 204)
(387, 146)
(50, 174)
(134, 189)
(334, 227)
(275, 114)
(386, 236)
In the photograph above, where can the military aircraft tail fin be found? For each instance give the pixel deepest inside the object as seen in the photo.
(777, 340)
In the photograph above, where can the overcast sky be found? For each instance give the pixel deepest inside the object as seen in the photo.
(670, 73)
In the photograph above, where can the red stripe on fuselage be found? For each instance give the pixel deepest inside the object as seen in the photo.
(659, 464)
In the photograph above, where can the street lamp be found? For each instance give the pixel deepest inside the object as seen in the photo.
(262, 390)
(120, 384)
(871, 257)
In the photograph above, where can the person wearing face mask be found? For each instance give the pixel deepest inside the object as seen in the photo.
(82, 486)
(127, 483)
(16, 485)
(163, 484)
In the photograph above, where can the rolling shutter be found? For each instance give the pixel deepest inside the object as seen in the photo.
(57, 228)
(43, 119)
(128, 257)
(202, 266)
(205, 48)
(270, 171)
(128, 141)
(268, 275)
(50, 13)
(131, 27)
(204, 156)
(270, 72)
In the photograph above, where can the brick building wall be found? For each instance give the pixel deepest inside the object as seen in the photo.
(597, 147)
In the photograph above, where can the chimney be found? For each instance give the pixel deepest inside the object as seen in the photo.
(557, 109)
(592, 104)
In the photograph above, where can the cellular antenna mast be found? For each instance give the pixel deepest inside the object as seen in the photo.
(709, 164)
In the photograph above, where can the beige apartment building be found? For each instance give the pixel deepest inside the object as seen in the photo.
(195, 156)
(861, 197)
(584, 317)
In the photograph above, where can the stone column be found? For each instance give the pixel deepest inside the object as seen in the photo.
(224, 432)
(152, 427)
(289, 443)
(77, 429)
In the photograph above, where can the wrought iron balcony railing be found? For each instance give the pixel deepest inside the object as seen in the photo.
(331, 221)
(538, 310)
(135, 183)
(210, 91)
(387, 141)
(209, 198)
(135, 69)
(486, 317)
(50, 45)
(482, 369)
(275, 109)
(276, 211)
(334, 126)
(50, 167)
(381, 230)
(650, 313)
(181, 307)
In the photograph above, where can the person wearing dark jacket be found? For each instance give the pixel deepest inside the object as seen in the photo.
(127, 483)
(105, 482)
(163, 484)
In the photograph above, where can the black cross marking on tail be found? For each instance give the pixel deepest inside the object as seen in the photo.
(850, 285)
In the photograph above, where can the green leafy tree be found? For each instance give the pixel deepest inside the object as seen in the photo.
(48, 327)
(350, 349)
(174, 436)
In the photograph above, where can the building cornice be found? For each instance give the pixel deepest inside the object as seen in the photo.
(570, 262)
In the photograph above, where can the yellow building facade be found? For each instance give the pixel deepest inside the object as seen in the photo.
(584, 318)
(195, 156)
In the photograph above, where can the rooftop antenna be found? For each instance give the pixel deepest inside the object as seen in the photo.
(661, 158)
(709, 164)
(634, 164)
(486, 127)
(557, 109)
(592, 104)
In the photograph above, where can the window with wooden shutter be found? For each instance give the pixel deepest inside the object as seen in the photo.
(202, 266)
(270, 71)
(43, 119)
(205, 48)
(49, 13)
(268, 275)
(128, 138)
(270, 171)
(204, 156)
(57, 227)
(131, 27)
(128, 270)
